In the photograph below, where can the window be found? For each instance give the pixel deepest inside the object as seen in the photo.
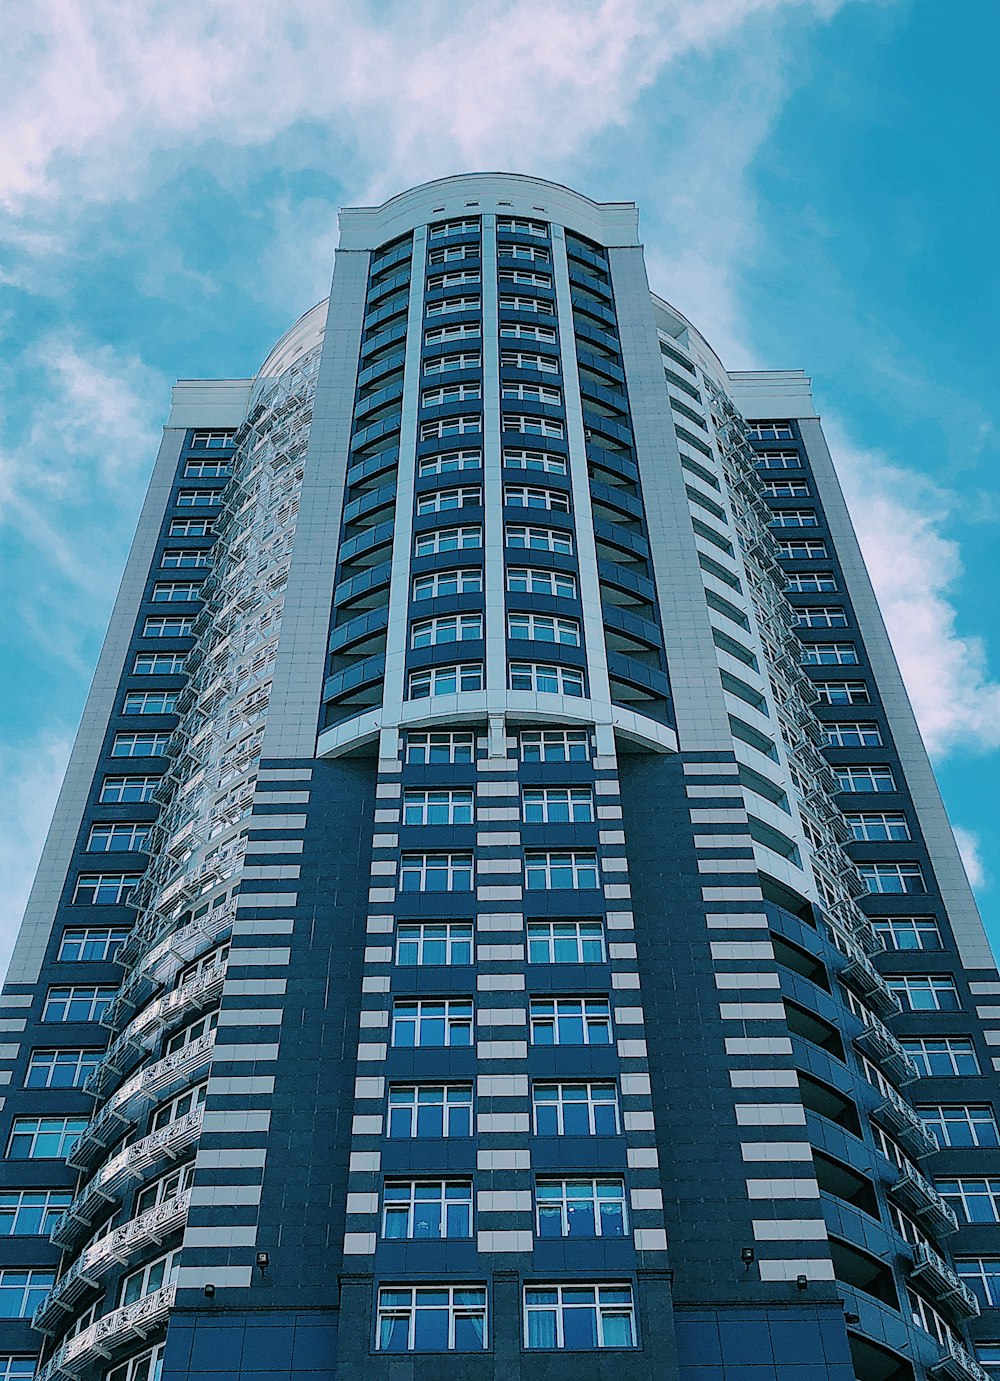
(449, 807)
(164, 1189)
(427, 1209)
(777, 460)
(192, 1033)
(461, 331)
(532, 393)
(821, 616)
(458, 279)
(785, 489)
(19, 1368)
(555, 745)
(448, 461)
(799, 549)
(570, 1021)
(449, 393)
(163, 627)
(961, 1124)
(988, 1356)
(467, 580)
(535, 676)
(157, 664)
(176, 1108)
(433, 942)
(982, 1274)
(147, 1367)
(108, 838)
(811, 583)
(841, 692)
(794, 517)
(452, 254)
(892, 877)
(450, 746)
(511, 225)
(121, 790)
(550, 870)
(448, 628)
(919, 992)
(522, 359)
(21, 1292)
(436, 873)
(531, 426)
(432, 1022)
(61, 1068)
(566, 942)
(212, 441)
(829, 654)
(852, 734)
(447, 539)
(875, 825)
(522, 276)
(431, 1318)
(445, 680)
(150, 702)
(554, 805)
(211, 960)
(44, 1138)
(77, 1003)
(430, 1110)
(516, 458)
(91, 944)
(526, 580)
(540, 539)
(464, 425)
(539, 305)
(579, 1317)
(907, 932)
(175, 591)
(198, 498)
(533, 253)
(576, 1109)
(770, 431)
(973, 1200)
(543, 628)
(104, 889)
(181, 557)
(191, 527)
(581, 1208)
(445, 305)
(442, 364)
(858, 778)
(151, 1277)
(945, 1055)
(517, 330)
(207, 469)
(31, 1212)
(463, 227)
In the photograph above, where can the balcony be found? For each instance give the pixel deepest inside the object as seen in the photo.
(115, 1248)
(913, 1133)
(159, 964)
(957, 1365)
(133, 1163)
(918, 1195)
(142, 1033)
(877, 1041)
(942, 1284)
(866, 980)
(146, 1087)
(108, 1335)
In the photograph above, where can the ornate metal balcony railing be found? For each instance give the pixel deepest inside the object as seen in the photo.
(108, 1335)
(943, 1284)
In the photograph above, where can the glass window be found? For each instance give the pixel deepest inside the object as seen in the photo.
(570, 1021)
(44, 1138)
(21, 1292)
(435, 872)
(513, 226)
(558, 805)
(581, 1208)
(800, 549)
(552, 870)
(198, 498)
(448, 807)
(434, 942)
(566, 942)
(777, 460)
(468, 226)
(518, 330)
(859, 778)
(159, 663)
(61, 1068)
(17, 1368)
(461, 330)
(526, 580)
(430, 1318)
(123, 838)
(463, 277)
(919, 992)
(432, 1022)
(811, 583)
(555, 745)
(579, 1317)
(961, 1124)
(31, 1212)
(770, 431)
(448, 461)
(178, 558)
(445, 305)
(450, 746)
(528, 279)
(540, 539)
(942, 1055)
(176, 1108)
(212, 441)
(841, 692)
(829, 654)
(147, 1367)
(575, 1109)
(467, 580)
(892, 877)
(852, 734)
(430, 1110)
(524, 496)
(907, 932)
(450, 393)
(511, 302)
(164, 1189)
(874, 826)
(987, 1354)
(92, 944)
(442, 364)
(192, 1033)
(162, 626)
(191, 527)
(104, 889)
(150, 702)
(447, 628)
(532, 393)
(175, 591)
(973, 1199)
(446, 680)
(149, 745)
(447, 539)
(443, 500)
(427, 1209)
(544, 628)
(77, 1003)
(155, 1275)
(982, 1274)
(785, 489)
(522, 359)
(121, 790)
(552, 680)
(794, 517)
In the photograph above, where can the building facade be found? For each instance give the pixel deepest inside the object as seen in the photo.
(499, 920)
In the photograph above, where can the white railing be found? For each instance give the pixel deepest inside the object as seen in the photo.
(917, 1192)
(957, 1364)
(914, 1133)
(946, 1284)
(108, 1334)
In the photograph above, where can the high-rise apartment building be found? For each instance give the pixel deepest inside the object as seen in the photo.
(499, 921)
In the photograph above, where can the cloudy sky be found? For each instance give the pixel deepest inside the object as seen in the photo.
(817, 181)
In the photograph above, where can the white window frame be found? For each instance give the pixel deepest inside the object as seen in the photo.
(933, 986)
(811, 583)
(455, 679)
(533, 497)
(455, 278)
(525, 277)
(580, 865)
(150, 702)
(532, 393)
(198, 498)
(777, 460)
(454, 866)
(876, 826)
(449, 462)
(878, 778)
(820, 616)
(446, 1195)
(923, 1049)
(546, 678)
(802, 548)
(532, 426)
(440, 539)
(548, 942)
(443, 364)
(545, 462)
(70, 1129)
(147, 1273)
(830, 655)
(544, 805)
(455, 938)
(521, 330)
(853, 692)
(159, 663)
(603, 1311)
(463, 424)
(469, 225)
(48, 1205)
(874, 875)
(771, 430)
(443, 629)
(445, 305)
(786, 489)
(31, 1290)
(966, 1190)
(561, 1102)
(168, 626)
(513, 302)
(564, 1200)
(97, 996)
(793, 517)
(109, 937)
(524, 359)
(82, 1063)
(463, 580)
(852, 733)
(448, 500)
(122, 885)
(894, 927)
(455, 805)
(104, 835)
(531, 580)
(526, 537)
(457, 1097)
(450, 393)
(933, 1114)
(459, 330)
(535, 628)
(458, 1017)
(184, 558)
(568, 742)
(456, 1310)
(453, 739)
(191, 527)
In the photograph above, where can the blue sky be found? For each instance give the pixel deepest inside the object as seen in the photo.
(817, 182)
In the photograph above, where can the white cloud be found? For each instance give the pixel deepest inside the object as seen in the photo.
(900, 516)
(970, 847)
(31, 775)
